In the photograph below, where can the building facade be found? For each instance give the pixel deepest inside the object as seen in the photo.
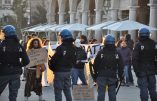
(5, 10)
(96, 11)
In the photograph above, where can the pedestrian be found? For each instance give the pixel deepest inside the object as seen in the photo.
(120, 41)
(34, 74)
(125, 53)
(61, 64)
(106, 65)
(2, 36)
(25, 47)
(130, 45)
(78, 67)
(44, 79)
(144, 55)
(12, 58)
(83, 39)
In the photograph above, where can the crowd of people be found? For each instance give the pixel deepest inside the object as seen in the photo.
(113, 63)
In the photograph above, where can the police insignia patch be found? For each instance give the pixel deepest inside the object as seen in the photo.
(142, 47)
(64, 53)
(155, 46)
(102, 55)
(117, 57)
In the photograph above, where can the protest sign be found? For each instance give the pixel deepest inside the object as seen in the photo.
(37, 56)
(83, 92)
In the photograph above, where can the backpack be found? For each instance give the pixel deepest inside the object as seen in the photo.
(13, 54)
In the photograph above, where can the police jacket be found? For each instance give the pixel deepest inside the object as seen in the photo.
(80, 55)
(12, 57)
(64, 57)
(108, 62)
(144, 55)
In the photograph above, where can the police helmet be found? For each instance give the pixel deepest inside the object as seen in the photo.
(144, 32)
(109, 39)
(9, 30)
(66, 34)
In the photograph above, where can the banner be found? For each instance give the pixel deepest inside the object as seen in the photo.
(92, 49)
(37, 57)
(83, 92)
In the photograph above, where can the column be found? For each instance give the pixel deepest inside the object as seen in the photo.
(79, 17)
(72, 17)
(85, 17)
(114, 17)
(51, 11)
(98, 33)
(98, 16)
(114, 14)
(51, 18)
(153, 18)
(61, 17)
(132, 16)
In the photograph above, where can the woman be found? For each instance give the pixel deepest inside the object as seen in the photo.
(125, 52)
(34, 75)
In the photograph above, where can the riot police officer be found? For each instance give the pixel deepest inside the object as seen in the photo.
(61, 64)
(144, 55)
(106, 65)
(12, 58)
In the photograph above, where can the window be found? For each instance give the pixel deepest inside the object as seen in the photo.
(7, 1)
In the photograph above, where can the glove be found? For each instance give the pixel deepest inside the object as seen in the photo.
(121, 78)
(156, 72)
(137, 74)
(117, 82)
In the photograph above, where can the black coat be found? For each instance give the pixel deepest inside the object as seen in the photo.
(144, 55)
(108, 62)
(12, 56)
(64, 58)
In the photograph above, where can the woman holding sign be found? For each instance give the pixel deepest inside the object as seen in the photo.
(34, 74)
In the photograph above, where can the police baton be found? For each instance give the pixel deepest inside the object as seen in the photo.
(119, 85)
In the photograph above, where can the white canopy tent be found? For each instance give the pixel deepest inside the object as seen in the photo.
(74, 27)
(33, 28)
(99, 26)
(44, 28)
(127, 25)
(53, 29)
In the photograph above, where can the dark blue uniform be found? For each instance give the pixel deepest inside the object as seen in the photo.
(12, 58)
(144, 55)
(61, 64)
(106, 65)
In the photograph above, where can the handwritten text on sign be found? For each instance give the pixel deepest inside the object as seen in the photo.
(83, 92)
(37, 56)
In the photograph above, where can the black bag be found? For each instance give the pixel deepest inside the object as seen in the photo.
(12, 53)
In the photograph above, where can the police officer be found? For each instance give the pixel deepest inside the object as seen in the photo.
(106, 65)
(12, 58)
(144, 55)
(64, 58)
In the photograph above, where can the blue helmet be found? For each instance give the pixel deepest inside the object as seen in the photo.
(144, 32)
(9, 30)
(66, 34)
(109, 39)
